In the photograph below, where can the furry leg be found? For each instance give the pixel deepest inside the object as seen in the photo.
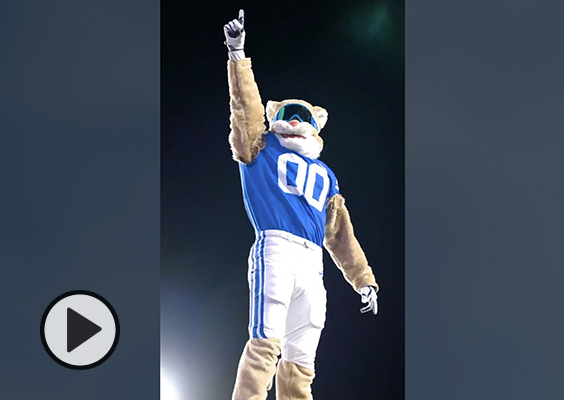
(256, 369)
(293, 382)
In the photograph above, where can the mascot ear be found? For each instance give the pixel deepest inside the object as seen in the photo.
(271, 108)
(322, 116)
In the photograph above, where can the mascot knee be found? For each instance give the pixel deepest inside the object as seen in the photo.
(295, 355)
(263, 350)
(303, 359)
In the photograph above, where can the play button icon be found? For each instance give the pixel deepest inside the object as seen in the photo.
(80, 329)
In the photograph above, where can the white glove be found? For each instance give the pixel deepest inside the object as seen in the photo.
(368, 295)
(235, 35)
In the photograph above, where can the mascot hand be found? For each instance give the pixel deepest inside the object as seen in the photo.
(235, 37)
(368, 295)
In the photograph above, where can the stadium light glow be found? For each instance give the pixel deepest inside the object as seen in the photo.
(168, 392)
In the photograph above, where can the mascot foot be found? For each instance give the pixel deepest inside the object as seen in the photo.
(293, 382)
(256, 369)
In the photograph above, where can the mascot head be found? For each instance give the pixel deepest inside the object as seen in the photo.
(297, 124)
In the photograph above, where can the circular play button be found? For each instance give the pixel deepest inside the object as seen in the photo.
(80, 329)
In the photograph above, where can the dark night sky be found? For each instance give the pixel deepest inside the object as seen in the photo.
(347, 58)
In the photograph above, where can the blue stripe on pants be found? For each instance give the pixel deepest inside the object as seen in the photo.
(261, 326)
(252, 287)
(257, 308)
(260, 288)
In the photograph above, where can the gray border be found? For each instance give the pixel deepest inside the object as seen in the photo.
(484, 200)
(79, 166)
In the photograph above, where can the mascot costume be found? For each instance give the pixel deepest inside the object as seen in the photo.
(292, 200)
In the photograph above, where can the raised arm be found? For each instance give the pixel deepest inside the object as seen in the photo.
(247, 111)
(343, 246)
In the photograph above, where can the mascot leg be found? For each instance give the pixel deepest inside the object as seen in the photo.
(293, 382)
(256, 369)
(270, 284)
(305, 322)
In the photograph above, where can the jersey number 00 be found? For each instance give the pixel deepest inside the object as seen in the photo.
(301, 186)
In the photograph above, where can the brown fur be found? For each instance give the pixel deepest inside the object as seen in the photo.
(293, 382)
(247, 112)
(343, 246)
(256, 369)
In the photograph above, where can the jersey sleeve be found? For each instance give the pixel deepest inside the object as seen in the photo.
(333, 182)
(334, 188)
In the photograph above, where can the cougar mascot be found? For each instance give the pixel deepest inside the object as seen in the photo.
(292, 200)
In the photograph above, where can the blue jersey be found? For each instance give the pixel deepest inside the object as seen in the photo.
(286, 191)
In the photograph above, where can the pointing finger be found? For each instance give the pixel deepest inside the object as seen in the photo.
(241, 17)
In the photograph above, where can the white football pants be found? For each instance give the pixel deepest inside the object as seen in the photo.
(287, 295)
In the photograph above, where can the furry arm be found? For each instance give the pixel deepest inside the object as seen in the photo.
(247, 112)
(343, 246)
